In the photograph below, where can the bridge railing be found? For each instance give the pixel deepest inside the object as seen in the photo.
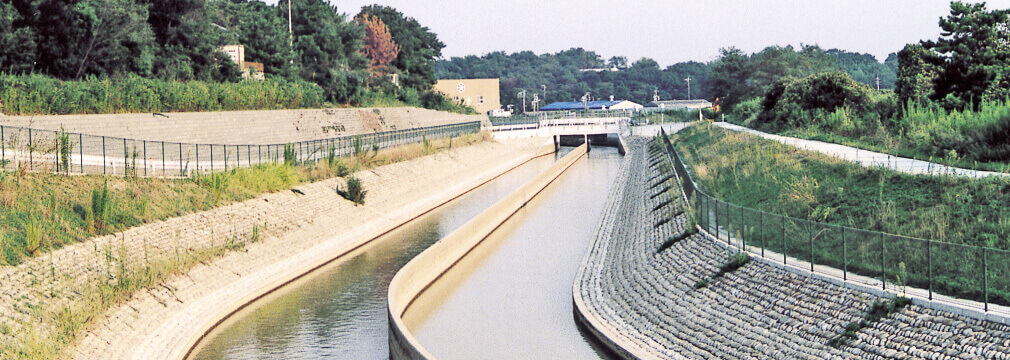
(76, 153)
(969, 276)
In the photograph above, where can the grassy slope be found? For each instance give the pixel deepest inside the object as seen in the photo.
(136, 201)
(39, 209)
(769, 176)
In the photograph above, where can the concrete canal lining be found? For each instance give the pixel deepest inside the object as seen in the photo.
(425, 269)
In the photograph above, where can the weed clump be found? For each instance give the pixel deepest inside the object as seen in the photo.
(354, 191)
(879, 310)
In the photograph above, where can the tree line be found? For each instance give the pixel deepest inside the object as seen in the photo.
(565, 77)
(180, 40)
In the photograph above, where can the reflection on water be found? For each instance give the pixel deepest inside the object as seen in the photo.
(512, 297)
(340, 310)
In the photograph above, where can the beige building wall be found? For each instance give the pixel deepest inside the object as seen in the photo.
(480, 94)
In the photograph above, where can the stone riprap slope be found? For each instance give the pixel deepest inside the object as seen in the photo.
(243, 127)
(759, 311)
(294, 230)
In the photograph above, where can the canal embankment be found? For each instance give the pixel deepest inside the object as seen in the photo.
(653, 287)
(297, 232)
(428, 267)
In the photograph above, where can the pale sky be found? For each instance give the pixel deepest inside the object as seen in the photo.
(674, 30)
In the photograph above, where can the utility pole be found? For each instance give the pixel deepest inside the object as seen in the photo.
(545, 91)
(688, 87)
(291, 32)
(878, 82)
(585, 101)
(536, 102)
(523, 94)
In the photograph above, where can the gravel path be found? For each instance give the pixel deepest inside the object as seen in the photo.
(758, 311)
(865, 158)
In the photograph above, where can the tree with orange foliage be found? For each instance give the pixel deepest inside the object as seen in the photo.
(379, 45)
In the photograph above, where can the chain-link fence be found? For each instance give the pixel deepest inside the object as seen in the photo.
(74, 153)
(927, 268)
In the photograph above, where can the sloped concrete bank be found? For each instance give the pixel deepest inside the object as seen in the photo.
(244, 127)
(417, 276)
(306, 232)
(646, 303)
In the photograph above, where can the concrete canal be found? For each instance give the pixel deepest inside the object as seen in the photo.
(512, 296)
(339, 311)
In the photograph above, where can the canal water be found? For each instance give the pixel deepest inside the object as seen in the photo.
(339, 311)
(511, 298)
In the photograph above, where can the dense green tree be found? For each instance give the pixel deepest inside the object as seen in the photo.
(865, 68)
(918, 70)
(17, 43)
(419, 47)
(327, 45)
(189, 44)
(729, 77)
(118, 38)
(262, 29)
(973, 42)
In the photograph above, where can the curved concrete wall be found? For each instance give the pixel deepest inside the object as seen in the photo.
(197, 332)
(426, 268)
(244, 127)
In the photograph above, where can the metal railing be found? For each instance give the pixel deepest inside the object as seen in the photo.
(75, 153)
(534, 118)
(921, 267)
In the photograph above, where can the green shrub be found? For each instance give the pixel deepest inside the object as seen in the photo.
(42, 95)
(354, 191)
(99, 209)
(290, 156)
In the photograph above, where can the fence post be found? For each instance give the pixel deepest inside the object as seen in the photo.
(761, 230)
(985, 277)
(743, 231)
(717, 220)
(126, 156)
(163, 172)
(31, 150)
(103, 156)
(845, 258)
(784, 245)
(145, 158)
(259, 149)
(3, 146)
(211, 157)
(197, 168)
(80, 146)
(182, 172)
(883, 264)
(929, 264)
(810, 225)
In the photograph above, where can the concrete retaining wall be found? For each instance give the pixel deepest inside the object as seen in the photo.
(243, 127)
(426, 268)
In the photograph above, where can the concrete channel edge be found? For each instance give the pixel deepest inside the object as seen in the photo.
(427, 267)
(386, 224)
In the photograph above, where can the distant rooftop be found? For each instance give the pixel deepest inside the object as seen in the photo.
(578, 105)
(680, 104)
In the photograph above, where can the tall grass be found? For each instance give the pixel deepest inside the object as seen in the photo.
(42, 95)
(29, 227)
(768, 176)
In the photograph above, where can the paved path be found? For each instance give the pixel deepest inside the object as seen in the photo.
(298, 232)
(865, 158)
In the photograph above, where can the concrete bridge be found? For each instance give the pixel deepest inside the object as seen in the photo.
(568, 131)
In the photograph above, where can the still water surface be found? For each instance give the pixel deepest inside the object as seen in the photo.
(339, 311)
(511, 298)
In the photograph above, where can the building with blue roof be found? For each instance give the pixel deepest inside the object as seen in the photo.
(592, 105)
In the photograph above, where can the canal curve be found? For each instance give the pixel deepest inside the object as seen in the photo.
(339, 311)
(511, 296)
